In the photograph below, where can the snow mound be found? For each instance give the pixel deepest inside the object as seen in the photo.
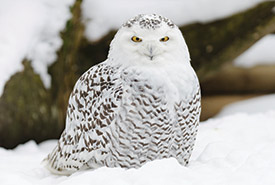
(259, 104)
(261, 53)
(233, 150)
(30, 29)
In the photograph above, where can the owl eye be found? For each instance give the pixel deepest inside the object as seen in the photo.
(164, 39)
(136, 39)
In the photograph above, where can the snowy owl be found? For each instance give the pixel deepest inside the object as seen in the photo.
(141, 104)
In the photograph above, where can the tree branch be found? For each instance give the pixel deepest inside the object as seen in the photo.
(216, 43)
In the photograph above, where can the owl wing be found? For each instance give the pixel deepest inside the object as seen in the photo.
(188, 115)
(92, 108)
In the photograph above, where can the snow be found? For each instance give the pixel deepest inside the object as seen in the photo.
(233, 150)
(30, 29)
(101, 16)
(259, 104)
(261, 53)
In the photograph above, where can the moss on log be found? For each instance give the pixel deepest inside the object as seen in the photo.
(25, 111)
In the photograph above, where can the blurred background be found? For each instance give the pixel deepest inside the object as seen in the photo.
(45, 45)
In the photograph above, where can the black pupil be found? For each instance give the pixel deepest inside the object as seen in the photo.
(137, 38)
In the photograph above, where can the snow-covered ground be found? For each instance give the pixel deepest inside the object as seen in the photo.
(30, 28)
(232, 150)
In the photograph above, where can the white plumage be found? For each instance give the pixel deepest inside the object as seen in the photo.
(141, 104)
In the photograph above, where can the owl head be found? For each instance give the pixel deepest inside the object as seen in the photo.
(149, 40)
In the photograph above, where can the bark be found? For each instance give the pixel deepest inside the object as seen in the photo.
(64, 70)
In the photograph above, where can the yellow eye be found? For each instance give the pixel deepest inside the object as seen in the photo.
(164, 39)
(136, 39)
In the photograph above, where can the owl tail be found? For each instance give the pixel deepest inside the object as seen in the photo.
(57, 162)
(53, 163)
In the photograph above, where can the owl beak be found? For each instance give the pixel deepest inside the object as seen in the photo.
(150, 51)
(151, 56)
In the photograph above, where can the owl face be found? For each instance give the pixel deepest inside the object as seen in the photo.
(149, 39)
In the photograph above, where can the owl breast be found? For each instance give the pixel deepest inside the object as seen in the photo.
(150, 122)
